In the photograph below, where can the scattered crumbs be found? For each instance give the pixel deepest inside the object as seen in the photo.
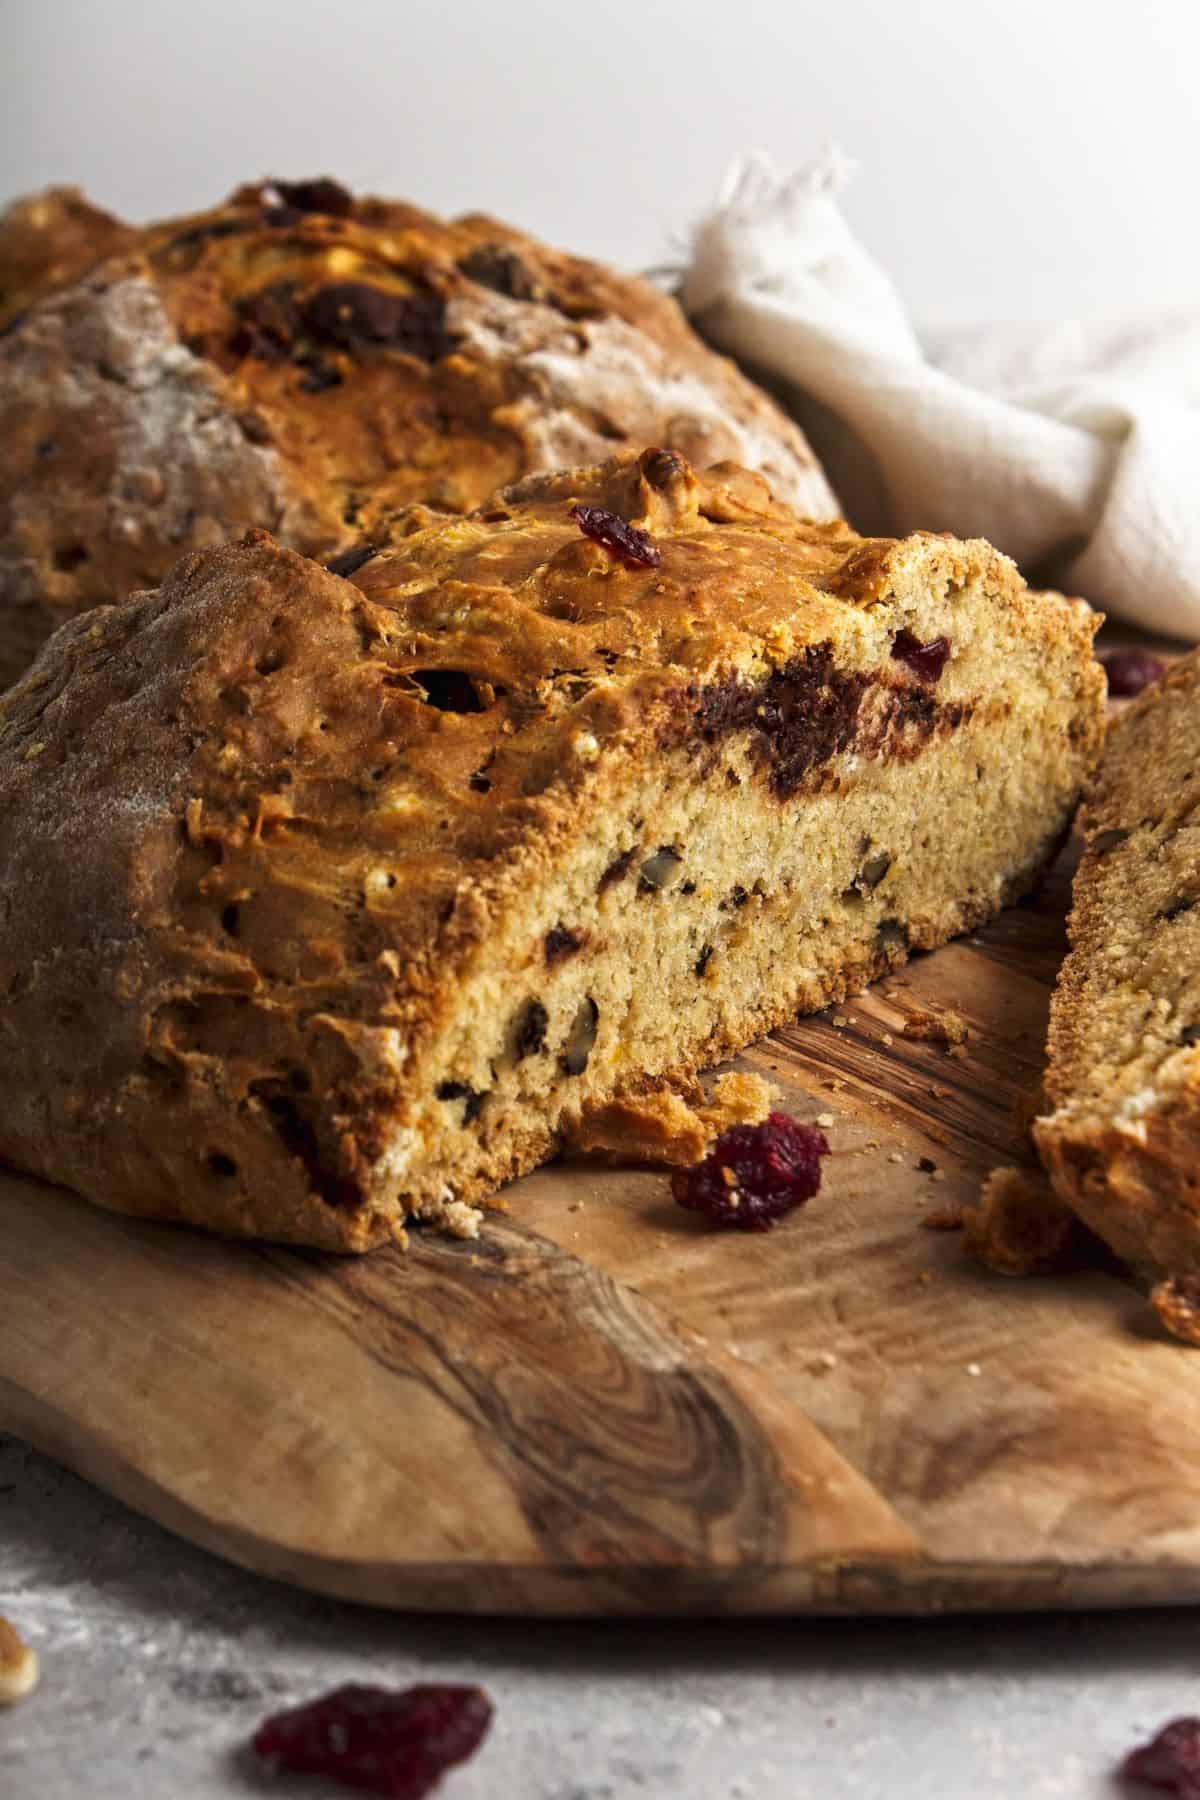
(957, 1050)
(887, 1038)
(575, 1206)
(974, 1369)
(461, 1220)
(925, 1277)
(850, 1019)
(939, 1092)
(871, 1144)
(825, 1120)
(938, 1175)
(840, 1019)
(944, 1218)
(826, 1360)
(894, 1156)
(927, 1165)
(936, 1024)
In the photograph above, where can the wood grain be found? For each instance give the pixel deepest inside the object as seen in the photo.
(604, 1407)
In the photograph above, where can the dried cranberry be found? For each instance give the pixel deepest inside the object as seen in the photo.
(560, 942)
(1129, 671)
(633, 547)
(398, 1744)
(1170, 1761)
(754, 1174)
(926, 660)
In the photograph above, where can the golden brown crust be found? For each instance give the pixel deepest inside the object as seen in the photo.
(260, 826)
(1018, 1227)
(314, 372)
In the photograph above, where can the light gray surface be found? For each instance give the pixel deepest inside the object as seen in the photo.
(158, 1659)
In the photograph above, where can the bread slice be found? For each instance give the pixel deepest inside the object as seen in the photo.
(310, 362)
(1122, 1143)
(330, 902)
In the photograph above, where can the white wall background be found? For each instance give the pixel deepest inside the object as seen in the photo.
(1020, 159)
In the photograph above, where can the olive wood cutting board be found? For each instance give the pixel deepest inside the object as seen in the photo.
(604, 1406)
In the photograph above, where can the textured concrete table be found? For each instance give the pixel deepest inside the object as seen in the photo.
(158, 1659)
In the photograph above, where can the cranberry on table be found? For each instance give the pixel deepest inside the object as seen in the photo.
(1129, 671)
(377, 1740)
(1170, 1762)
(754, 1174)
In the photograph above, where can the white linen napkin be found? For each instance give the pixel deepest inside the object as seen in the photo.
(1075, 448)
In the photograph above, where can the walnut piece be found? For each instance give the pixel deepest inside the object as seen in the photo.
(18, 1666)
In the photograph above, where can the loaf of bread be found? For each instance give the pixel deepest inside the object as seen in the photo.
(304, 361)
(331, 902)
(1122, 1143)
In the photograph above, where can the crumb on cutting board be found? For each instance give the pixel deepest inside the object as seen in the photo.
(1177, 1303)
(1018, 1226)
(936, 1025)
(672, 1125)
(944, 1218)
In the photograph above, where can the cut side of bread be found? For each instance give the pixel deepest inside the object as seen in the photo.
(336, 902)
(1122, 1143)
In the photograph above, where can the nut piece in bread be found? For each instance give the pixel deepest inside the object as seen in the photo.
(331, 902)
(1121, 1137)
(312, 363)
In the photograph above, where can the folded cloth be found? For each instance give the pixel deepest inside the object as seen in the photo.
(1075, 448)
